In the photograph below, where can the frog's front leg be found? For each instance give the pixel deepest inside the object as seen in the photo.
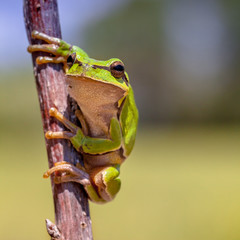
(55, 46)
(65, 134)
(87, 144)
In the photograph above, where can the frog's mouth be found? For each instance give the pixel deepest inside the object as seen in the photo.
(119, 83)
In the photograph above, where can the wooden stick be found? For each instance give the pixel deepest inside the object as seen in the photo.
(70, 200)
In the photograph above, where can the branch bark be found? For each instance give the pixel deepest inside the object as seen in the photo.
(70, 200)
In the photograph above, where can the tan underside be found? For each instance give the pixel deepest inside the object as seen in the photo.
(98, 102)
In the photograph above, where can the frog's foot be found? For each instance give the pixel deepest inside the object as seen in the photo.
(55, 46)
(69, 173)
(67, 135)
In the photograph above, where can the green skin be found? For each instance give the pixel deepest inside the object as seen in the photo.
(101, 177)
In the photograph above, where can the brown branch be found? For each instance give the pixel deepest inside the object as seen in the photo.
(70, 201)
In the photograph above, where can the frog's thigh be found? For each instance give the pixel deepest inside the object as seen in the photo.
(108, 185)
(112, 181)
(93, 195)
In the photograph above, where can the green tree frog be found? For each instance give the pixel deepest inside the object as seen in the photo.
(108, 117)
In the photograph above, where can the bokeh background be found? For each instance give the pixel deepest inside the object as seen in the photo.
(182, 181)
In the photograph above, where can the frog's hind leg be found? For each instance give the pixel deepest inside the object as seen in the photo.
(70, 173)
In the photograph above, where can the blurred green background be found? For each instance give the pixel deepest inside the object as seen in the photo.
(182, 180)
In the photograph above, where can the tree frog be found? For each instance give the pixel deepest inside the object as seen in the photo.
(107, 113)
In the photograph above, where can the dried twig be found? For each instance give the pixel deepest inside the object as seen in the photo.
(52, 230)
(70, 201)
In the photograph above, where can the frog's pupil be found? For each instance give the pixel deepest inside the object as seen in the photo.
(119, 68)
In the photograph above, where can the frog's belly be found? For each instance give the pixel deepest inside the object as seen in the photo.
(98, 102)
(103, 160)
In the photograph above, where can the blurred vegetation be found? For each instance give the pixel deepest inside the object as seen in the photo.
(134, 34)
(139, 34)
(181, 182)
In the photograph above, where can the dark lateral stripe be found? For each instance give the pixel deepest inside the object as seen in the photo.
(101, 67)
(108, 69)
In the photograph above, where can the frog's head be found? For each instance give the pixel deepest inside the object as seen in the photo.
(110, 72)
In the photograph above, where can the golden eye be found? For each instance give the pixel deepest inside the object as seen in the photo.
(71, 59)
(117, 69)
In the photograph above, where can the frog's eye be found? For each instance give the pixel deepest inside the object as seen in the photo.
(71, 59)
(117, 69)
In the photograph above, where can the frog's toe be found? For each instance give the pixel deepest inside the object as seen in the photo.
(45, 59)
(69, 173)
(60, 163)
(64, 135)
(42, 36)
(35, 34)
(53, 111)
(49, 48)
